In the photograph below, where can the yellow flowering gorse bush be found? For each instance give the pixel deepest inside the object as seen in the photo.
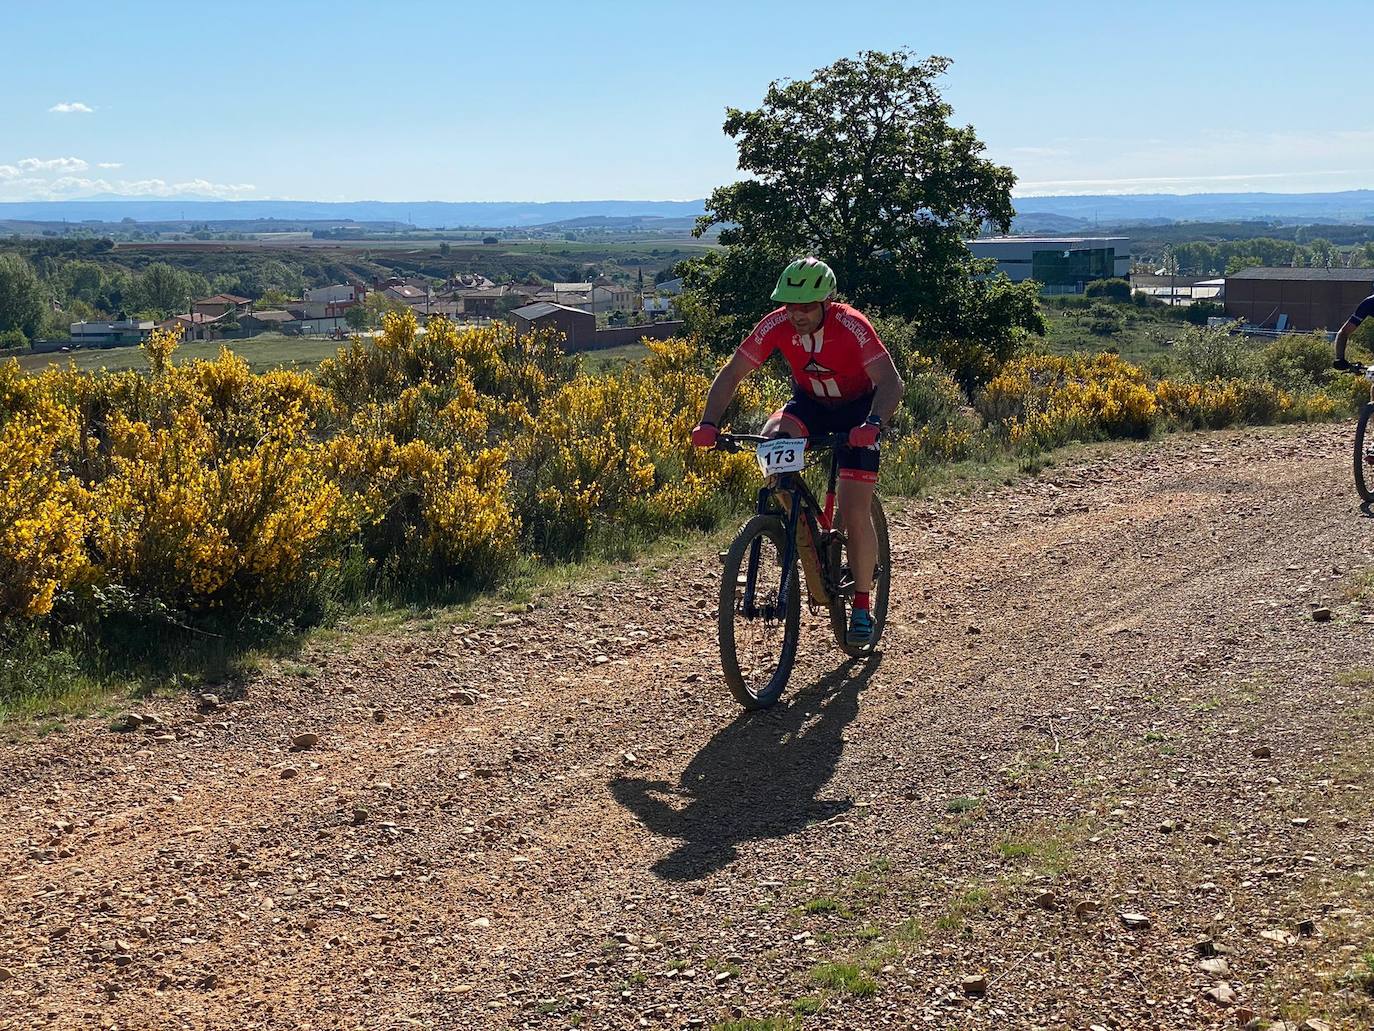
(441, 457)
(436, 456)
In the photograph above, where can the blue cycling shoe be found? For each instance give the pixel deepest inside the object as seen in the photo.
(860, 627)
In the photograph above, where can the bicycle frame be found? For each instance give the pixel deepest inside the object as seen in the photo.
(819, 523)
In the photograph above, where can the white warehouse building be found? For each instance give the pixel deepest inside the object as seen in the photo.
(1060, 264)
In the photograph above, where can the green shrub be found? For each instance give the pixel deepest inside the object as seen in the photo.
(13, 338)
(1105, 321)
(1208, 354)
(1297, 361)
(1115, 289)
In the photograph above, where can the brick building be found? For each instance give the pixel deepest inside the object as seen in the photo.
(578, 326)
(1299, 299)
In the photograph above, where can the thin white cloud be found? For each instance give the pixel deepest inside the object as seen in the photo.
(72, 107)
(77, 186)
(1198, 160)
(1176, 183)
(8, 172)
(63, 165)
(110, 164)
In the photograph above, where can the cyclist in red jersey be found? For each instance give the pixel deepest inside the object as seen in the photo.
(843, 381)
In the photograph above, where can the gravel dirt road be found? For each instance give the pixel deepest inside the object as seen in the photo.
(1110, 772)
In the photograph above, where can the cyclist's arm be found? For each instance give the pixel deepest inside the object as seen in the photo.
(1343, 337)
(888, 387)
(1362, 311)
(725, 384)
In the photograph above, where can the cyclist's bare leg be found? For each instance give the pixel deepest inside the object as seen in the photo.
(780, 424)
(856, 513)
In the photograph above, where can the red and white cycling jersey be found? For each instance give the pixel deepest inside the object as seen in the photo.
(830, 364)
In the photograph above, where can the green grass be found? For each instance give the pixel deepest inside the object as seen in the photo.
(808, 1005)
(1051, 855)
(848, 978)
(1364, 977)
(1358, 677)
(611, 359)
(961, 906)
(962, 805)
(1146, 338)
(758, 1024)
(268, 351)
(821, 905)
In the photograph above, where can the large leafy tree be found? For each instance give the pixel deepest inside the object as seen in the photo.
(23, 302)
(164, 290)
(860, 165)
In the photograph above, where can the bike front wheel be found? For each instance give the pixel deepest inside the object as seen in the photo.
(759, 623)
(1364, 472)
(882, 575)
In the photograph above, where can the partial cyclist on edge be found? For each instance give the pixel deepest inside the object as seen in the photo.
(1362, 311)
(843, 380)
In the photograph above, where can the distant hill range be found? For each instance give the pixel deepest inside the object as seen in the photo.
(421, 214)
(1075, 214)
(1058, 214)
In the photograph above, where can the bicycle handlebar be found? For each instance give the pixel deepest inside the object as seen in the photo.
(731, 442)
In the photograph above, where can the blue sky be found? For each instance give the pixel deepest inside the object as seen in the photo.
(543, 101)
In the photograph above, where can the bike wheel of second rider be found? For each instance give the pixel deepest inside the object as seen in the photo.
(1364, 472)
(839, 613)
(758, 642)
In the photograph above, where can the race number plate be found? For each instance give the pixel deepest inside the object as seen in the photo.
(783, 455)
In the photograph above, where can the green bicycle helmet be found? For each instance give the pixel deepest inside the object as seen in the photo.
(804, 281)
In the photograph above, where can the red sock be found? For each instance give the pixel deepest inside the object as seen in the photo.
(861, 600)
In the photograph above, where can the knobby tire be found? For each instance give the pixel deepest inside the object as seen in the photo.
(1364, 473)
(839, 609)
(773, 543)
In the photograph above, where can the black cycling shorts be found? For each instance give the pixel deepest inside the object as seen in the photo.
(856, 463)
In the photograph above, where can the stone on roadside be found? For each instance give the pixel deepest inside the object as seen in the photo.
(289, 772)
(974, 984)
(1222, 994)
(1135, 921)
(1321, 614)
(1262, 752)
(1216, 966)
(307, 740)
(1087, 909)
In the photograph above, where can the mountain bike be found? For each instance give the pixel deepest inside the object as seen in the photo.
(1364, 446)
(760, 588)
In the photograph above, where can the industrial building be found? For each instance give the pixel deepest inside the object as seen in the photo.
(1298, 299)
(1060, 264)
(111, 334)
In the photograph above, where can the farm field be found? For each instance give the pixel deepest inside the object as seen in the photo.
(1108, 770)
(269, 351)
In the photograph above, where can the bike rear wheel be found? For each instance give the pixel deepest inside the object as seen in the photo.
(1364, 472)
(839, 609)
(758, 647)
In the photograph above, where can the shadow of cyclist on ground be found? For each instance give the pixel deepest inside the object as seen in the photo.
(757, 778)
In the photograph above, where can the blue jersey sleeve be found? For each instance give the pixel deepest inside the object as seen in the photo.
(1363, 310)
